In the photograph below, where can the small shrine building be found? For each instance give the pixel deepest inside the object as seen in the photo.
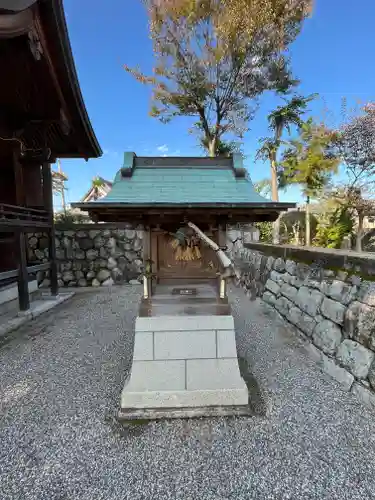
(185, 356)
(164, 193)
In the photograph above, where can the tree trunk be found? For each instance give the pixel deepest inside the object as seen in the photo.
(359, 235)
(212, 147)
(63, 198)
(276, 231)
(296, 233)
(274, 187)
(275, 197)
(308, 229)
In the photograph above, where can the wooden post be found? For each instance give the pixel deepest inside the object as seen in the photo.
(23, 277)
(223, 288)
(221, 241)
(147, 281)
(48, 206)
(20, 240)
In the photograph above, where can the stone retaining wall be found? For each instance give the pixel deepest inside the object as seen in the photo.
(328, 296)
(99, 254)
(91, 255)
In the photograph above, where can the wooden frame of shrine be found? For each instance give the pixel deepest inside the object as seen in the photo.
(43, 118)
(145, 193)
(185, 357)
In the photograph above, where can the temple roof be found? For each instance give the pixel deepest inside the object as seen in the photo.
(182, 182)
(41, 98)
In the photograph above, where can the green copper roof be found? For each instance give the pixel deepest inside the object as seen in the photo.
(182, 181)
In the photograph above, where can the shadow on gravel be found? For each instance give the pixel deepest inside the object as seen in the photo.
(126, 429)
(256, 401)
(135, 428)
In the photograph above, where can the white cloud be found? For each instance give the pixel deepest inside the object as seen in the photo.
(163, 149)
(110, 152)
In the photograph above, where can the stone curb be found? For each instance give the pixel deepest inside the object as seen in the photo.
(24, 317)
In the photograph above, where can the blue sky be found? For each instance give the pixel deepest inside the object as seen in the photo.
(333, 56)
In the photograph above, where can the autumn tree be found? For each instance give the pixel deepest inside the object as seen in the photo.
(211, 65)
(358, 201)
(242, 19)
(223, 148)
(357, 146)
(357, 150)
(310, 161)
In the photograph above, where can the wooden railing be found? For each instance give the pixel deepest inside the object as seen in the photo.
(15, 215)
(7, 275)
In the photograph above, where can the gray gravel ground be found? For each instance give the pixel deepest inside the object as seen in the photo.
(60, 380)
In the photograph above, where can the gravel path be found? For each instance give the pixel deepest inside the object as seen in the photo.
(60, 380)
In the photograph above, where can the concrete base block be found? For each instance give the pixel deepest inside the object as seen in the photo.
(132, 415)
(184, 399)
(184, 366)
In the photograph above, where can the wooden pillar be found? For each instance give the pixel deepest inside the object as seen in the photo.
(48, 206)
(18, 177)
(221, 241)
(20, 240)
(23, 277)
(147, 264)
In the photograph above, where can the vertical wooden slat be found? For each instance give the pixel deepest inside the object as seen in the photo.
(48, 206)
(154, 235)
(221, 241)
(18, 176)
(147, 257)
(20, 240)
(23, 277)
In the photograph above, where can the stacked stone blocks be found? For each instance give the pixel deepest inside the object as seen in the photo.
(187, 361)
(90, 257)
(333, 311)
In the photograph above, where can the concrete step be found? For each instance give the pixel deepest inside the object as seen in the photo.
(184, 362)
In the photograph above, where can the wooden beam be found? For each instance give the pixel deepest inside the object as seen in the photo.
(46, 55)
(10, 225)
(23, 276)
(38, 267)
(18, 175)
(30, 270)
(8, 274)
(48, 206)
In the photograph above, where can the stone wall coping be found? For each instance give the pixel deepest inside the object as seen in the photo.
(92, 226)
(358, 262)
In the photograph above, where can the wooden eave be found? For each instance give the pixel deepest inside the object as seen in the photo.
(41, 100)
(158, 213)
(53, 22)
